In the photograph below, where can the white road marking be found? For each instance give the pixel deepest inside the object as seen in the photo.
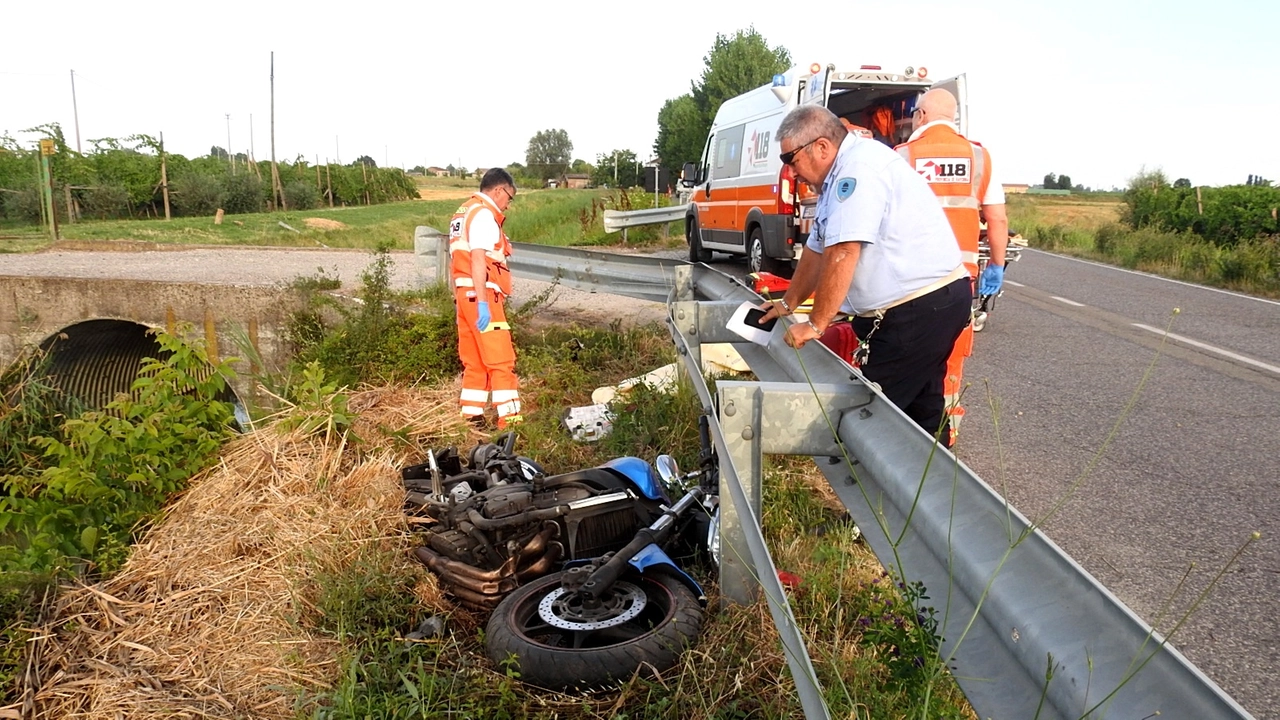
(1156, 277)
(1210, 348)
(1015, 284)
(1069, 302)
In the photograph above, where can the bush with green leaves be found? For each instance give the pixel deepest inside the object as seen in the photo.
(386, 337)
(301, 195)
(195, 194)
(105, 202)
(242, 193)
(107, 473)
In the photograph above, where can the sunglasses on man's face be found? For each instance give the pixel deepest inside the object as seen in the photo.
(788, 157)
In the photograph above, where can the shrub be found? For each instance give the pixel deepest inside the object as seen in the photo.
(106, 202)
(388, 337)
(23, 205)
(196, 195)
(107, 473)
(1157, 247)
(301, 195)
(242, 193)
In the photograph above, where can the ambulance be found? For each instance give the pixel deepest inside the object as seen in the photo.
(743, 201)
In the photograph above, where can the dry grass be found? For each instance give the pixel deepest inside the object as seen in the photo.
(1082, 212)
(323, 224)
(208, 617)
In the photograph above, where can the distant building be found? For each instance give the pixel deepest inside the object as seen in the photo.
(576, 181)
(437, 171)
(479, 172)
(1015, 188)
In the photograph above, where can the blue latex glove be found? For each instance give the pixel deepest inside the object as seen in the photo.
(992, 279)
(482, 322)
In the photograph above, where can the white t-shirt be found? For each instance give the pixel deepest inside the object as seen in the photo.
(874, 197)
(995, 191)
(484, 233)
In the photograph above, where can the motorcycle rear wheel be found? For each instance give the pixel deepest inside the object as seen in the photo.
(563, 658)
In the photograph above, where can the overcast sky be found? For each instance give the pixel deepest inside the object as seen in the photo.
(1096, 90)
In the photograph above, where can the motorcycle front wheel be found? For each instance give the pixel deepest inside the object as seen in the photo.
(559, 643)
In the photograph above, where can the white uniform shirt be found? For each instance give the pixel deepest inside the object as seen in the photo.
(874, 197)
(995, 191)
(484, 232)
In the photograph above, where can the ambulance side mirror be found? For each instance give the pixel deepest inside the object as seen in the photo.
(690, 174)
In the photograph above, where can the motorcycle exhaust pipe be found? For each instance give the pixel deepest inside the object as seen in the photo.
(446, 567)
(538, 544)
(543, 565)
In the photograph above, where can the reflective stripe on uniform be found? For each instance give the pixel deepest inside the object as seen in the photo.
(471, 411)
(501, 396)
(480, 396)
(960, 201)
(468, 282)
(969, 258)
(511, 408)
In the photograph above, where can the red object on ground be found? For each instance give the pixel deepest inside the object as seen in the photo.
(790, 581)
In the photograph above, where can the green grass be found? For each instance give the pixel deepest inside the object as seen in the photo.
(738, 669)
(1088, 226)
(545, 217)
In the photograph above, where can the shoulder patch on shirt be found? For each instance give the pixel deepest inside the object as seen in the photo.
(845, 187)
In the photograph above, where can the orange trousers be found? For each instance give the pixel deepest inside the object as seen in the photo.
(953, 383)
(488, 359)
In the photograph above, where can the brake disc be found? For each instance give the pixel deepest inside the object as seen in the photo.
(563, 608)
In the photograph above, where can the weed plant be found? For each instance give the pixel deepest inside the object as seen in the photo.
(386, 337)
(77, 488)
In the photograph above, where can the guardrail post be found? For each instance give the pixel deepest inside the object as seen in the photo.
(740, 420)
(428, 241)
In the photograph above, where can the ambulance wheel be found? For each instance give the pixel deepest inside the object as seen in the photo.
(758, 261)
(693, 234)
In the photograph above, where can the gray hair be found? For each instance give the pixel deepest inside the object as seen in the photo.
(810, 122)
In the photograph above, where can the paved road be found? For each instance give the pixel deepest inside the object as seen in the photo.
(1191, 471)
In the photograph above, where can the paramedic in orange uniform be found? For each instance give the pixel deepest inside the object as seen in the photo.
(478, 251)
(959, 172)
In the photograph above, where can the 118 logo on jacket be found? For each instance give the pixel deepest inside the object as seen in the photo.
(944, 170)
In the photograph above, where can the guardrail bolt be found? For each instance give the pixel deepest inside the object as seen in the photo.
(864, 413)
(747, 433)
(729, 409)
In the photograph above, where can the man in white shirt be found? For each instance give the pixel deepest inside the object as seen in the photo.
(881, 249)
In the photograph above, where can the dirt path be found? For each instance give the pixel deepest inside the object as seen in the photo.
(280, 266)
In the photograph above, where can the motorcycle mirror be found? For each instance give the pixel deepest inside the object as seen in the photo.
(668, 470)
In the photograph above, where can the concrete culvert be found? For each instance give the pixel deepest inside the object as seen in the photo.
(95, 360)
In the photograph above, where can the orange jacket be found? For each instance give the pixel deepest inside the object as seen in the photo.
(958, 170)
(499, 275)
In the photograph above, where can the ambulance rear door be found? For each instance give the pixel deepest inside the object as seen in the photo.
(957, 87)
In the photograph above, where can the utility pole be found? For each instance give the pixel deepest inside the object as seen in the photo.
(277, 193)
(230, 155)
(75, 109)
(251, 155)
(337, 151)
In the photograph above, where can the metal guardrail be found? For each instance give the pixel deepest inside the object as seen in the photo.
(615, 220)
(1014, 613)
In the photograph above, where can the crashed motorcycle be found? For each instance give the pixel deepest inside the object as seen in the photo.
(579, 569)
(984, 304)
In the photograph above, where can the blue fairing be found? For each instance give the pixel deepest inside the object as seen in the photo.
(653, 556)
(642, 474)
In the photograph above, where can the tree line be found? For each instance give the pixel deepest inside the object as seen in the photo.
(128, 178)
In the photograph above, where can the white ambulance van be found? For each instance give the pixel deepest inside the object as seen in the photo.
(744, 201)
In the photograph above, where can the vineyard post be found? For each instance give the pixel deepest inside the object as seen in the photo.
(328, 179)
(164, 179)
(47, 149)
